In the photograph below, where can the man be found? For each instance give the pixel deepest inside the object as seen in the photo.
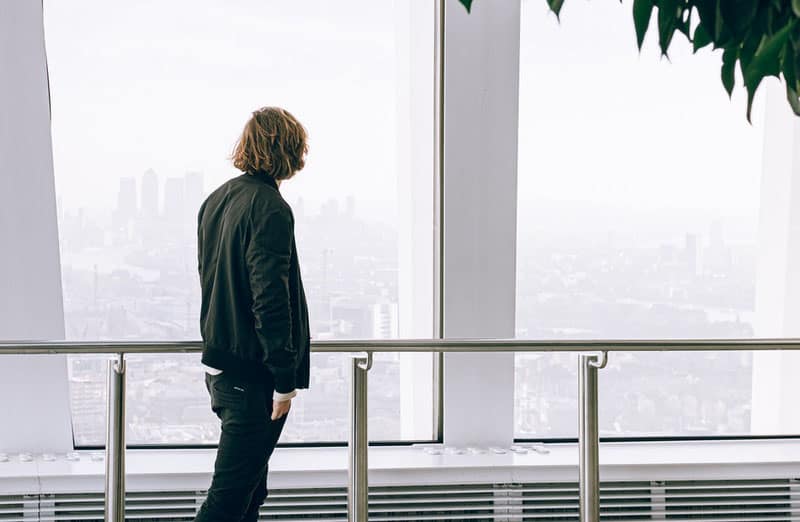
(253, 318)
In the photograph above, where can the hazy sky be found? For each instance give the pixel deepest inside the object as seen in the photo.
(168, 85)
(600, 123)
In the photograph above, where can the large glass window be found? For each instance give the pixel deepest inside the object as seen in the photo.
(639, 205)
(147, 102)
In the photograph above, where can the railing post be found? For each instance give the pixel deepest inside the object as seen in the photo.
(589, 437)
(115, 442)
(358, 444)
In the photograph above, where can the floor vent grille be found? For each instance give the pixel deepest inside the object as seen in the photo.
(733, 501)
(19, 508)
(674, 501)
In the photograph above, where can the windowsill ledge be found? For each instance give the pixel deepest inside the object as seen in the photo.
(190, 469)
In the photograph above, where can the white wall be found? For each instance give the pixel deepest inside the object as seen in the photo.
(34, 410)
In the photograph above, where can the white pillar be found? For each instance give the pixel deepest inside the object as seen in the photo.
(774, 407)
(415, 30)
(34, 393)
(481, 110)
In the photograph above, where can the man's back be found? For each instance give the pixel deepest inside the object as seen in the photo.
(250, 282)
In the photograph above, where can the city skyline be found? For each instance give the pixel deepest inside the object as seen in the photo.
(563, 292)
(148, 289)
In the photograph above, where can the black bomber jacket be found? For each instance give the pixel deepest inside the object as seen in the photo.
(254, 316)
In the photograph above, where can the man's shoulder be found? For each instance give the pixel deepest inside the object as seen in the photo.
(267, 200)
(221, 191)
(261, 198)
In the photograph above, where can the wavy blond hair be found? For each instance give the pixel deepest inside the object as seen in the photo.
(273, 142)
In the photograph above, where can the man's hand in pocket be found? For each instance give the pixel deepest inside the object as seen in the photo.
(280, 408)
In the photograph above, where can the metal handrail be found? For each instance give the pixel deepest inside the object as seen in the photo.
(418, 345)
(361, 354)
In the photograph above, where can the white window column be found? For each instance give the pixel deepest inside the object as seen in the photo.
(415, 46)
(34, 398)
(774, 404)
(481, 99)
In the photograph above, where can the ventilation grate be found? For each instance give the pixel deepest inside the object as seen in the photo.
(318, 504)
(674, 501)
(619, 501)
(762, 500)
(20, 508)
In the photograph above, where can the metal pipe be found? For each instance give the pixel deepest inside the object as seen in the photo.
(589, 436)
(115, 442)
(358, 443)
(419, 345)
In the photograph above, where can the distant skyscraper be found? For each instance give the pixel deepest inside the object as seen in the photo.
(126, 199)
(151, 229)
(384, 321)
(125, 213)
(174, 199)
(150, 193)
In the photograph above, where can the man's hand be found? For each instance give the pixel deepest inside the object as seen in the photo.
(280, 408)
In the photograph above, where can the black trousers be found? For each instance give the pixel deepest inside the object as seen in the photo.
(248, 437)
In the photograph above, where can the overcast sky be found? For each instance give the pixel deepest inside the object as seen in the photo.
(169, 84)
(601, 123)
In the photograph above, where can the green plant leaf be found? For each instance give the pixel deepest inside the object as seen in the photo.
(685, 21)
(467, 4)
(667, 23)
(766, 61)
(555, 6)
(737, 15)
(794, 102)
(707, 9)
(728, 67)
(642, 10)
(796, 7)
(793, 66)
(748, 48)
(794, 35)
(789, 67)
(718, 22)
(701, 38)
(751, 94)
(711, 20)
